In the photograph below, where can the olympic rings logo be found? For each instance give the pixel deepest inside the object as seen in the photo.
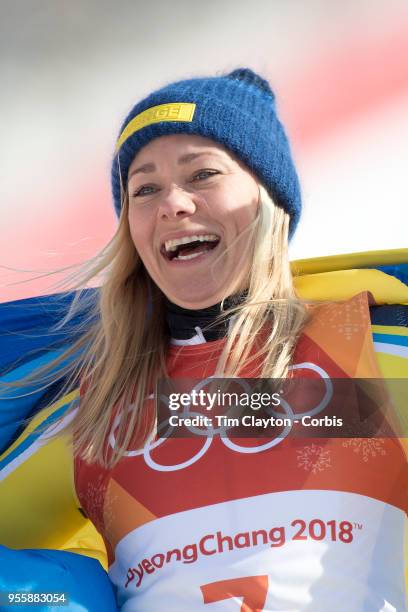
(210, 431)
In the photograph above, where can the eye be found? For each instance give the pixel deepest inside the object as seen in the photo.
(204, 174)
(144, 190)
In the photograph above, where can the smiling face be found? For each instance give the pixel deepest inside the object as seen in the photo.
(189, 202)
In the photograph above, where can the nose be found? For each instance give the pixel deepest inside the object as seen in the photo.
(177, 203)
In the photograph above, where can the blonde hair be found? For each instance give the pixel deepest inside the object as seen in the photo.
(123, 343)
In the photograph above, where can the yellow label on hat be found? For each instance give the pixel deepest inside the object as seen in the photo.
(174, 111)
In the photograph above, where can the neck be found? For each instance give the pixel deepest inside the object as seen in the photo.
(197, 326)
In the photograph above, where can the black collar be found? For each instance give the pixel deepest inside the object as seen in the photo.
(183, 322)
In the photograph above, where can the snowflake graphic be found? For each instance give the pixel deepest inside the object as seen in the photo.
(372, 425)
(313, 458)
(347, 319)
(93, 500)
(109, 511)
(368, 447)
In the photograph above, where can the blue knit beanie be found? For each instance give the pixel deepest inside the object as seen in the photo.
(237, 110)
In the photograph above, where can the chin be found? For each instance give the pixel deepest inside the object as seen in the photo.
(199, 294)
(196, 302)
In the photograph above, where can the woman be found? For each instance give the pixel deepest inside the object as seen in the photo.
(198, 285)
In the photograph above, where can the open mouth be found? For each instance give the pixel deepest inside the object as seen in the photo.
(189, 247)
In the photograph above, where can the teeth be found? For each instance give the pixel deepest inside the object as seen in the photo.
(171, 245)
(190, 256)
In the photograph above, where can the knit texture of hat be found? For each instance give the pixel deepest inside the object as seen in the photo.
(236, 110)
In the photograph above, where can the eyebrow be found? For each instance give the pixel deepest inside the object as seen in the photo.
(184, 159)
